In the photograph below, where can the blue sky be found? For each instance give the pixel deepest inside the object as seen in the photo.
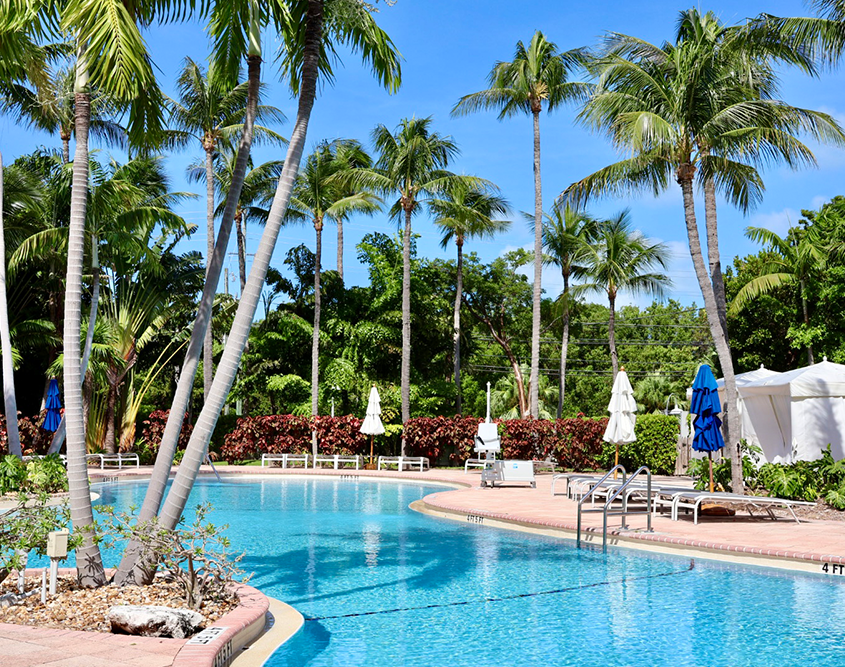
(449, 48)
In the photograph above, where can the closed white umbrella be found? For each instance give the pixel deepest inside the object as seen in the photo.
(372, 425)
(622, 406)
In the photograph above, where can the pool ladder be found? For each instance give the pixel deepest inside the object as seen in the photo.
(612, 496)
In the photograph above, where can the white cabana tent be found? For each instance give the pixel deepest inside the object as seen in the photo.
(743, 380)
(795, 415)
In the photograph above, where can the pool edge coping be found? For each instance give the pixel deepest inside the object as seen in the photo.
(651, 542)
(778, 558)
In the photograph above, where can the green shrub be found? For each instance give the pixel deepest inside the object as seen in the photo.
(12, 474)
(655, 446)
(40, 475)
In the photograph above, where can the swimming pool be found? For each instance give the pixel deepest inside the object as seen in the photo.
(380, 584)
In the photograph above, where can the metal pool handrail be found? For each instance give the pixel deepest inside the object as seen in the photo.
(592, 489)
(625, 511)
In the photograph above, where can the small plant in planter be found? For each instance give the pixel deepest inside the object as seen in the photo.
(196, 555)
(24, 528)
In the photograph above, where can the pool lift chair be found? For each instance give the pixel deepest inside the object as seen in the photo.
(487, 443)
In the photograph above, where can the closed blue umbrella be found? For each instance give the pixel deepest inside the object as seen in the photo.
(705, 405)
(54, 407)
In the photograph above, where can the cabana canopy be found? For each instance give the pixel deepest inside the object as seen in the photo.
(793, 416)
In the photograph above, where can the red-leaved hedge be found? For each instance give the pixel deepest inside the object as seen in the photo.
(153, 431)
(34, 439)
(434, 437)
(576, 443)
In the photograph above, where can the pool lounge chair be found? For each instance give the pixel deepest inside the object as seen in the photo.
(694, 499)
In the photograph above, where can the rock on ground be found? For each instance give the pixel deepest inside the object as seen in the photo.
(155, 621)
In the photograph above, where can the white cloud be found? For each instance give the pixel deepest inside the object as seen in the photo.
(778, 222)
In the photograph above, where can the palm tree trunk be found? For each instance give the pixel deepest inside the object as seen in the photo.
(456, 324)
(176, 499)
(315, 341)
(208, 345)
(564, 346)
(534, 376)
(9, 400)
(89, 565)
(611, 333)
(803, 287)
(241, 249)
(713, 258)
(340, 246)
(405, 371)
(59, 436)
(111, 401)
(130, 569)
(65, 147)
(723, 350)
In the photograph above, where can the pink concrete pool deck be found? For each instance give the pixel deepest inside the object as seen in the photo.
(814, 546)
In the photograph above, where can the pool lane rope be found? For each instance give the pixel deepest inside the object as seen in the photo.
(517, 596)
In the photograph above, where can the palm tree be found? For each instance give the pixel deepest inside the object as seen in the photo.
(698, 106)
(211, 111)
(306, 54)
(257, 192)
(350, 154)
(465, 211)
(110, 57)
(790, 261)
(21, 58)
(319, 194)
(536, 77)
(50, 108)
(622, 260)
(412, 164)
(567, 235)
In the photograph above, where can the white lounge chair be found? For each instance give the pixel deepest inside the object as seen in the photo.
(694, 499)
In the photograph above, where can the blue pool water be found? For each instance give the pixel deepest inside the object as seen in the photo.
(383, 585)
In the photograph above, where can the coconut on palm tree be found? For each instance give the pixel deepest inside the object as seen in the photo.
(622, 260)
(567, 235)
(465, 211)
(536, 78)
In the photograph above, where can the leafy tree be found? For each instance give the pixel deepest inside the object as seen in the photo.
(793, 260)
(319, 194)
(537, 76)
(497, 297)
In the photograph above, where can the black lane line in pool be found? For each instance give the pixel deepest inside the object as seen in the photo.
(507, 597)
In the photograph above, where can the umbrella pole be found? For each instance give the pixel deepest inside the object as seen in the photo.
(616, 472)
(710, 460)
(371, 449)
